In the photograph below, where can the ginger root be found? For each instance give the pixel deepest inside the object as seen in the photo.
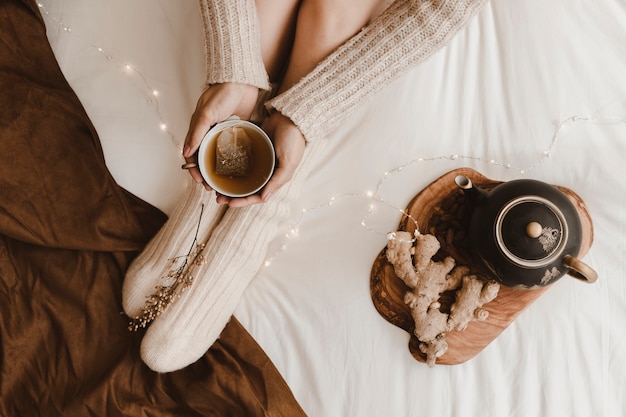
(469, 300)
(427, 280)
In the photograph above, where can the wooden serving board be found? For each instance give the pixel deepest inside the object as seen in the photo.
(440, 210)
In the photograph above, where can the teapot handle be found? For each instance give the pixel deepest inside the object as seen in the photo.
(579, 269)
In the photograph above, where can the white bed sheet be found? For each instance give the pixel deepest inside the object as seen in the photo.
(529, 89)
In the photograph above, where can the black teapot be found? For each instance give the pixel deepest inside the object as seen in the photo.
(525, 232)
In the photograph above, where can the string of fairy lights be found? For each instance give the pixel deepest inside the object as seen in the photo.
(373, 198)
(152, 94)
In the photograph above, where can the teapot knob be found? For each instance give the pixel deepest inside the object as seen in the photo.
(534, 230)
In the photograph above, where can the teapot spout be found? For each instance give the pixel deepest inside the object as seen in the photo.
(472, 192)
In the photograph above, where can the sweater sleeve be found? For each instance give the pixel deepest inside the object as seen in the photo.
(406, 33)
(232, 42)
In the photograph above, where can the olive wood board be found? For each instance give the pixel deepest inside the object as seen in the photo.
(440, 209)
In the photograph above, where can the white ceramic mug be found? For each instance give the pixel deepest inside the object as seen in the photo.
(261, 160)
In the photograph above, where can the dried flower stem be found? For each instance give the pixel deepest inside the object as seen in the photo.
(181, 278)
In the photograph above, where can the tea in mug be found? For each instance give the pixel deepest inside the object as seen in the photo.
(238, 160)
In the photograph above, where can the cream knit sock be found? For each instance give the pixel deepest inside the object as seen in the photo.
(234, 254)
(167, 249)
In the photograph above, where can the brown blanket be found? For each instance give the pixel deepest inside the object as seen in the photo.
(67, 234)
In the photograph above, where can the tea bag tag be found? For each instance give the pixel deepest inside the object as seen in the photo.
(233, 152)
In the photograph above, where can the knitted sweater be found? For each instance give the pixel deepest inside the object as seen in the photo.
(406, 33)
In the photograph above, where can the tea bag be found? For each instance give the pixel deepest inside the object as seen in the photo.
(233, 152)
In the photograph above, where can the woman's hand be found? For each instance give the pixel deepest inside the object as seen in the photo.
(217, 103)
(289, 144)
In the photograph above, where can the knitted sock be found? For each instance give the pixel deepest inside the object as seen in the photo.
(167, 249)
(234, 254)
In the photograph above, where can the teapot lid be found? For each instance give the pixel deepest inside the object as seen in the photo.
(531, 231)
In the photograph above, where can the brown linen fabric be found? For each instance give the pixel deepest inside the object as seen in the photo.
(67, 234)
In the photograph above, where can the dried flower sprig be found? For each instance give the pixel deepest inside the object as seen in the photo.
(180, 278)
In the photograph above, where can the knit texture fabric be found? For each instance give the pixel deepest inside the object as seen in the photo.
(232, 42)
(233, 255)
(191, 222)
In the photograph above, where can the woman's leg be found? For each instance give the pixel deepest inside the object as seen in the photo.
(191, 223)
(322, 26)
(233, 255)
(278, 23)
(297, 34)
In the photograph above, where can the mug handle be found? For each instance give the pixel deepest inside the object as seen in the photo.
(579, 269)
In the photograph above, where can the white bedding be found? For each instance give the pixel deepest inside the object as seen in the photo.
(530, 89)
